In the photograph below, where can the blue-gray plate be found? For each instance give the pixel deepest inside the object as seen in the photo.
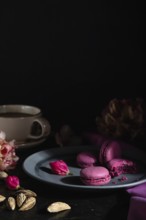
(37, 166)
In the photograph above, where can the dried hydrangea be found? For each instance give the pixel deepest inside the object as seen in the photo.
(122, 118)
(8, 157)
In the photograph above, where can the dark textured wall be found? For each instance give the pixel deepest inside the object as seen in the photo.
(70, 58)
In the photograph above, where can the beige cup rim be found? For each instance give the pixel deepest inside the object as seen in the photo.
(21, 108)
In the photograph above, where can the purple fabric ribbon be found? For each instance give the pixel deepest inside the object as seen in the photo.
(137, 205)
(137, 208)
(138, 191)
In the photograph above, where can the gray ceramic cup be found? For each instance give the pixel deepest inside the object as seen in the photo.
(23, 122)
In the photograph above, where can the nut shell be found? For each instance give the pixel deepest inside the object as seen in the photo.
(27, 192)
(11, 203)
(2, 198)
(29, 203)
(3, 174)
(57, 207)
(20, 198)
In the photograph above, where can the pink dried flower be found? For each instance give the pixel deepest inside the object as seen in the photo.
(8, 157)
(12, 182)
(2, 135)
(59, 167)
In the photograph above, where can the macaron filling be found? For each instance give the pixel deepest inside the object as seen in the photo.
(101, 181)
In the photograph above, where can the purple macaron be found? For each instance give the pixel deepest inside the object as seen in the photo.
(86, 159)
(95, 175)
(120, 166)
(109, 150)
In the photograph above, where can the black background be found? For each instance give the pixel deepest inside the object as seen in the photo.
(71, 57)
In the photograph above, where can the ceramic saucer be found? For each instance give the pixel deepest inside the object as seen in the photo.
(29, 143)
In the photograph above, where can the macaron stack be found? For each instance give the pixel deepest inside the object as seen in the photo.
(91, 173)
(111, 157)
(99, 169)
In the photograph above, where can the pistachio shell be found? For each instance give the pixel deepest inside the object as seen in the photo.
(20, 198)
(27, 192)
(2, 198)
(11, 203)
(3, 174)
(28, 204)
(57, 207)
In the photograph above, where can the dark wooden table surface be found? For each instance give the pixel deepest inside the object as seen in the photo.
(84, 205)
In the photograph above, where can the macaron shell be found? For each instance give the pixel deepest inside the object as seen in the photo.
(86, 159)
(110, 149)
(95, 176)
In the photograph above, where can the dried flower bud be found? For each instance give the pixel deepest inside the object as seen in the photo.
(59, 167)
(12, 182)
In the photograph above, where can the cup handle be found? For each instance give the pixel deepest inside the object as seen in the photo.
(44, 127)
